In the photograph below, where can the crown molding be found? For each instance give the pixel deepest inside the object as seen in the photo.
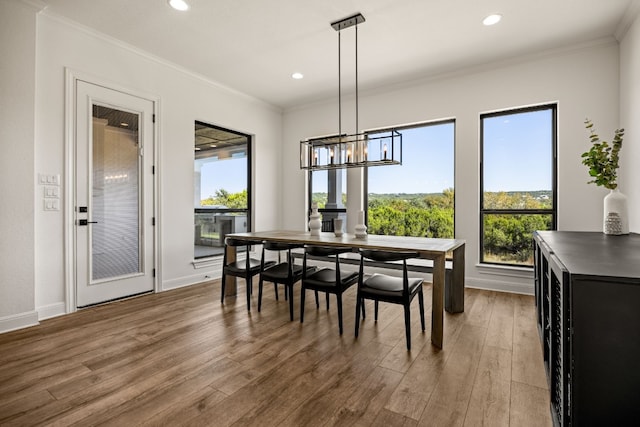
(35, 4)
(629, 17)
(461, 72)
(151, 57)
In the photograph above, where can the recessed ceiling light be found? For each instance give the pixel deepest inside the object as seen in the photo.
(179, 5)
(124, 125)
(213, 145)
(492, 19)
(297, 76)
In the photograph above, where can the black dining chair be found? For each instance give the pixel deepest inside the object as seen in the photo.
(286, 273)
(246, 268)
(327, 280)
(392, 289)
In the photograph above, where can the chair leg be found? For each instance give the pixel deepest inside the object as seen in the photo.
(260, 294)
(364, 312)
(407, 324)
(359, 303)
(327, 295)
(302, 294)
(275, 288)
(421, 303)
(223, 283)
(375, 315)
(317, 304)
(339, 301)
(290, 291)
(249, 281)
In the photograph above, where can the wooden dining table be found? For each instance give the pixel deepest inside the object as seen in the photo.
(432, 249)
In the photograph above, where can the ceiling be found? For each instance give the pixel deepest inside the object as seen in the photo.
(213, 141)
(254, 46)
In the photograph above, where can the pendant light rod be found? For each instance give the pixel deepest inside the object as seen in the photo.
(357, 129)
(339, 88)
(354, 150)
(338, 26)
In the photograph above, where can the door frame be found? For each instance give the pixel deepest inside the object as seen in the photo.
(70, 250)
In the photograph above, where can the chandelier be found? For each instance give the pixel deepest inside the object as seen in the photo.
(354, 150)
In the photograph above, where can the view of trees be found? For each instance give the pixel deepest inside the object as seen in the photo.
(426, 215)
(507, 237)
(229, 200)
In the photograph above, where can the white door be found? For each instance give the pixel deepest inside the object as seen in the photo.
(114, 192)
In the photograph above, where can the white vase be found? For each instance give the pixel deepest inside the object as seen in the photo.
(616, 216)
(315, 224)
(337, 227)
(361, 229)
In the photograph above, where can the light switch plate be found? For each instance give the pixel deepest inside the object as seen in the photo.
(52, 191)
(51, 204)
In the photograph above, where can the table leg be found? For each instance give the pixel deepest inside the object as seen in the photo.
(437, 315)
(230, 288)
(454, 294)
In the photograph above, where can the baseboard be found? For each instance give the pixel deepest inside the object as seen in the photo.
(18, 321)
(51, 310)
(500, 286)
(189, 280)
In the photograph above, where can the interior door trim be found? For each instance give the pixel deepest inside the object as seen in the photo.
(69, 250)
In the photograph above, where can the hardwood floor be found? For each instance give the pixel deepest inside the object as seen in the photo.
(182, 358)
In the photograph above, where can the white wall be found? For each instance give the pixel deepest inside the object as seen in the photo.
(630, 120)
(584, 82)
(17, 98)
(37, 48)
(184, 98)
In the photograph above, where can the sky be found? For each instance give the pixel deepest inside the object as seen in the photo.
(517, 152)
(228, 174)
(427, 163)
(517, 157)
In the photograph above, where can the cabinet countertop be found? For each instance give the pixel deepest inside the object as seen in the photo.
(596, 254)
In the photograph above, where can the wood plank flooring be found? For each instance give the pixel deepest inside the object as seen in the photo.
(181, 358)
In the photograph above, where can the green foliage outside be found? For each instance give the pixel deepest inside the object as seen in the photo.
(507, 237)
(224, 198)
(321, 199)
(423, 215)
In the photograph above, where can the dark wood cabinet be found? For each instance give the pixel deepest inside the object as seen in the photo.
(587, 293)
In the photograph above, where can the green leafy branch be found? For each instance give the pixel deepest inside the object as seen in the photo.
(603, 159)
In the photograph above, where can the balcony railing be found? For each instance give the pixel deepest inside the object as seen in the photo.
(211, 227)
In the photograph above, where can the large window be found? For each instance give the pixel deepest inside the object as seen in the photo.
(415, 198)
(222, 194)
(328, 190)
(518, 182)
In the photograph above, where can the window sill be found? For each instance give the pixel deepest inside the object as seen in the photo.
(214, 261)
(505, 270)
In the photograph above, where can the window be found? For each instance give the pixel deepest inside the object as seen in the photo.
(518, 182)
(222, 194)
(415, 198)
(328, 190)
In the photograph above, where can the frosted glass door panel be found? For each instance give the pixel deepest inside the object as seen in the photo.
(115, 198)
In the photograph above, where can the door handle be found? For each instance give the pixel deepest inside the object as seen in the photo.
(85, 222)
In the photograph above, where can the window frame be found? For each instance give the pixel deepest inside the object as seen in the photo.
(249, 209)
(554, 179)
